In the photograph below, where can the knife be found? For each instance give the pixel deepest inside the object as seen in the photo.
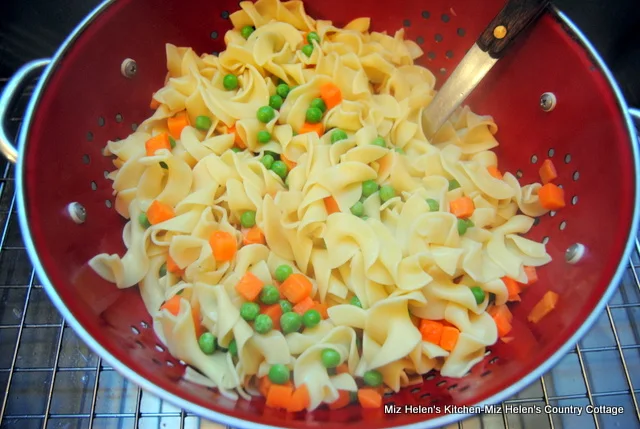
(491, 45)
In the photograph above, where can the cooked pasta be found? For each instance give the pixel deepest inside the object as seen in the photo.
(289, 224)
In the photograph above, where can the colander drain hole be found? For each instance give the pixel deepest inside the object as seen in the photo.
(406, 23)
(101, 121)
(452, 387)
(567, 158)
(139, 344)
(445, 18)
(170, 364)
(563, 225)
(430, 377)
(159, 348)
(420, 40)
(425, 14)
(144, 324)
(135, 330)
(89, 136)
(156, 361)
(94, 185)
(431, 55)
(461, 32)
(486, 373)
(494, 360)
(441, 383)
(118, 117)
(415, 390)
(552, 213)
(449, 54)
(438, 37)
(545, 239)
(534, 159)
(576, 175)
(108, 204)
(463, 388)
(519, 174)
(551, 152)
(134, 126)
(106, 174)
(86, 159)
(225, 14)
(574, 200)
(214, 34)
(425, 395)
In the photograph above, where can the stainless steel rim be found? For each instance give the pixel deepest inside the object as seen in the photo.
(239, 423)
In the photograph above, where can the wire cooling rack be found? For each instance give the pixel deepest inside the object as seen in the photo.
(50, 379)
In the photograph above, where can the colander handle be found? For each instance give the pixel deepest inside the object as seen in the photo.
(9, 98)
(514, 17)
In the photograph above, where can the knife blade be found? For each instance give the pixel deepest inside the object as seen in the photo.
(510, 22)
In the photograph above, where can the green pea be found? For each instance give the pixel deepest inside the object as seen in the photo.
(246, 31)
(313, 36)
(462, 226)
(330, 358)
(279, 374)
(282, 90)
(265, 114)
(275, 101)
(337, 135)
(264, 136)
(233, 348)
(314, 115)
(248, 219)
(369, 187)
(203, 123)
(356, 301)
(267, 161)
(357, 209)
(286, 306)
(400, 151)
(434, 206)
(163, 165)
(283, 272)
(144, 220)
(290, 322)
(478, 294)
(280, 168)
(163, 270)
(386, 193)
(379, 141)
(230, 82)
(269, 295)
(236, 149)
(319, 103)
(207, 343)
(172, 142)
(263, 324)
(307, 50)
(372, 378)
(311, 318)
(249, 311)
(453, 184)
(276, 156)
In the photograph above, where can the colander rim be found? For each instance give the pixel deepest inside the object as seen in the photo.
(226, 419)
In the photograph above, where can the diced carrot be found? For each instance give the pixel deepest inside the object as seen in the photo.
(431, 331)
(331, 205)
(299, 399)
(532, 275)
(312, 128)
(449, 337)
(343, 368)
(290, 164)
(157, 142)
(154, 104)
(369, 398)
(172, 305)
(501, 311)
(172, 267)
(513, 288)
(462, 207)
(551, 197)
(322, 309)
(177, 124)
(274, 311)
(223, 245)
(502, 318)
(196, 315)
(249, 286)
(548, 172)
(331, 95)
(159, 212)
(236, 139)
(264, 384)
(279, 396)
(543, 307)
(344, 399)
(304, 305)
(252, 235)
(493, 170)
(296, 287)
(507, 340)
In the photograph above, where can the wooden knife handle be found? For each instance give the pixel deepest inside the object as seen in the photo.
(514, 17)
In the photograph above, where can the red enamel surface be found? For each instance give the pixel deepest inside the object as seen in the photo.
(586, 123)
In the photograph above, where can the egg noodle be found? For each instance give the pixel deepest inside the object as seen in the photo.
(381, 262)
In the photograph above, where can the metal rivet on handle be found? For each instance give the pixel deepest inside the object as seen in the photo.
(548, 101)
(574, 253)
(129, 68)
(77, 212)
(500, 32)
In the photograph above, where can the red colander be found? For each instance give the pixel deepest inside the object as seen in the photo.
(98, 87)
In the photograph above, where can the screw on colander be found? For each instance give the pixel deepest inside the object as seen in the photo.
(574, 253)
(548, 101)
(129, 68)
(77, 212)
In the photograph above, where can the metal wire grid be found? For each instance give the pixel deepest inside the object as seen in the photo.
(50, 379)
